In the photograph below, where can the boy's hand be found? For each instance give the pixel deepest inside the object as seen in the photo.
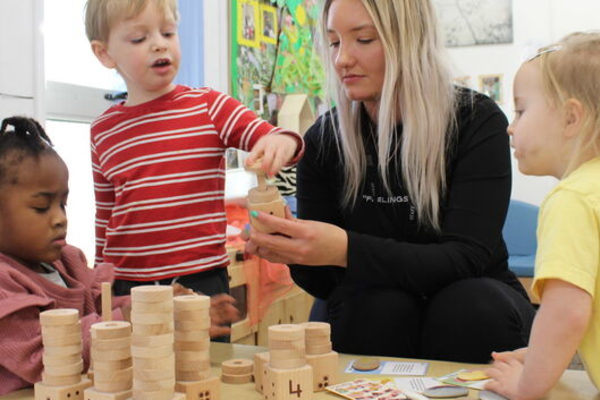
(222, 312)
(180, 290)
(275, 149)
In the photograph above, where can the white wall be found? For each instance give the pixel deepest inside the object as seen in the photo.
(21, 59)
(536, 23)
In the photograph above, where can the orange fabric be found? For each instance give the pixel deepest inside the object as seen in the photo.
(267, 281)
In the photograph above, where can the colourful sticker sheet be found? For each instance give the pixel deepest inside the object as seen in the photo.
(366, 389)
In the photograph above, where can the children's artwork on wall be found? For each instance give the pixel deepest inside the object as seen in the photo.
(248, 23)
(464, 81)
(475, 22)
(491, 86)
(283, 60)
(268, 25)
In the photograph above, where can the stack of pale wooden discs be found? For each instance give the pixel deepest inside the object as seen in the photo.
(111, 352)
(318, 337)
(237, 370)
(286, 346)
(192, 340)
(152, 342)
(61, 336)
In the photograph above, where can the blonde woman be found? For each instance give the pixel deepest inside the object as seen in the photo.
(402, 191)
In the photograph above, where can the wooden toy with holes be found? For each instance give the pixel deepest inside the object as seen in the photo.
(63, 364)
(288, 375)
(264, 197)
(237, 370)
(111, 354)
(319, 354)
(192, 348)
(152, 343)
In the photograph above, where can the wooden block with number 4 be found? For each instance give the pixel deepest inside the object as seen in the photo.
(288, 384)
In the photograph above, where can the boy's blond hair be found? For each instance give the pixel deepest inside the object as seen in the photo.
(101, 15)
(571, 70)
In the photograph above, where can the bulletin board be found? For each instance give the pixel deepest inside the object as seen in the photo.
(273, 52)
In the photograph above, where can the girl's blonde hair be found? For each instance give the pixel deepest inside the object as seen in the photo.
(101, 15)
(571, 70)
(417, 91)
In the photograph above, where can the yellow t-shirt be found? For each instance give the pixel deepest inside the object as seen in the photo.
(569, 248)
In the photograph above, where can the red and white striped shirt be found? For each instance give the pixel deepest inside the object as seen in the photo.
(159, 181)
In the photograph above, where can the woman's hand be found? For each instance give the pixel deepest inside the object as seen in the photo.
(275, 149)
(298, 241)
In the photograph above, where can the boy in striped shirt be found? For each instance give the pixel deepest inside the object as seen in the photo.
(158, 157)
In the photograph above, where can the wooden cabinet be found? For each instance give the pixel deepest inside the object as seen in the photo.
(293, 307)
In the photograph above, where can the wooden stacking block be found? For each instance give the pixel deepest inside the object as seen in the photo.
(261, 360)
(93, 394)
(288, 384)
(151, 294)
(275, 207)
(325, 369)
(59, 317)
(69, 392)
(237, 370)
(207, 389)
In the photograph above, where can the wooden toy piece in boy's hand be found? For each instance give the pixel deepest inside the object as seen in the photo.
(264, 197)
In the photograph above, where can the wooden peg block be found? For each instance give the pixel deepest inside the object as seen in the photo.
(325, 369)
(69, 392)
(206, 389)
(289, 384)
(261, 360)
(276, 208)
(93, 394)
(106, 301)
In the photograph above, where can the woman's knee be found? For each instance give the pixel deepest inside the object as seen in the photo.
(468, 319)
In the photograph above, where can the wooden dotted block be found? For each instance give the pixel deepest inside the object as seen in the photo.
(288, 384)
(325, 369)
(207, 389)
(93, 394)
(70, 392)
(261, 360)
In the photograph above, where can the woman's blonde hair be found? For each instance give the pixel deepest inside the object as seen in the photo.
(100, 15)
(417, 91)
(571, 70)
